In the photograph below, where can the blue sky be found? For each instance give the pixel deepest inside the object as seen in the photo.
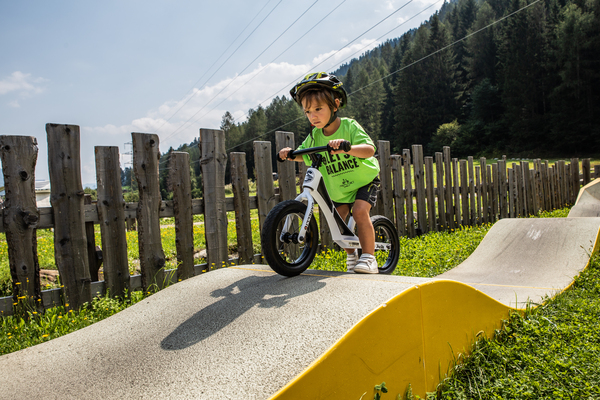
(171, 67)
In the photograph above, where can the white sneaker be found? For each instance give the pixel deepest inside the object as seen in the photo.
(367, 264)
(351, 260)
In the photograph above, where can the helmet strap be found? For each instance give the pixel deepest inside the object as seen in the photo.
(333, 118)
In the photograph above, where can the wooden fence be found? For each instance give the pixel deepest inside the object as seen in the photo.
(420, 194)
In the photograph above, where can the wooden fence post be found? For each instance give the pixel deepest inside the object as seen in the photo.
(484, 191)
(111, 215)
(502, 189)
(181, 186)
(385, 175)
(241, 203)
(441, 193)
(286, 171)
(575, 179)
(479, 193)
(417, 151)
(214, 162)
(464, 193)
(430, 190)
(146, 157)
(456, 184)
(448, 190)
(397, 173)
(586, 171)
(511, 192)
(21, 216)
(494, 194)
(473, 202)
(410, 217)
(265, 193)
(94, 252)
(66, 198)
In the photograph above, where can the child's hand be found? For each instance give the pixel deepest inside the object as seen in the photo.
(283, 153)
(335, 144)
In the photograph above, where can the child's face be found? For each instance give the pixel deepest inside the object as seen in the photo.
(318, 113)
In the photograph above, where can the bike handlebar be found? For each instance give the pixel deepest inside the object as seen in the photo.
(345, 146)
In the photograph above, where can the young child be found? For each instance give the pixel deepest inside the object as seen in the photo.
(354, 186)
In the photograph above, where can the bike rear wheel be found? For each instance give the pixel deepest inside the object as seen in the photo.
(282, 251)
(387, 244)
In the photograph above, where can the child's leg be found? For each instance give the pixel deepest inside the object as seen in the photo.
(344, 210)
(364, 226)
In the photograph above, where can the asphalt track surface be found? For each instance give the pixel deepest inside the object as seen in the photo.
(244, 332)
(234, 333)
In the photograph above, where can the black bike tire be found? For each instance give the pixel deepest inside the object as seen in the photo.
(270, 239)
(392, 260)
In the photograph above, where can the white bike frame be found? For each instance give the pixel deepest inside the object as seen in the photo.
(311, 195)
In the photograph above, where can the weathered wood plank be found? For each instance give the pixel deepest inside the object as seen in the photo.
(265, 191)
(464, 193)
(112, 220)
(243, 224)
(502, 189)
(430, 192)
(472, 200)
(214, 163)
(180, 183)
(441, 193)
(484, 190)
(397, 174)
(146, 157)
(410, 218)
(66, 198)
(286, 171)
(417, 152)
(456, 185)
(94, 252)
(448, 190)
(21, 216)
(385, 175)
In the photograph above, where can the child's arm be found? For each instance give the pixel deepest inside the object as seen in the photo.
(283, 155)
(357, 150)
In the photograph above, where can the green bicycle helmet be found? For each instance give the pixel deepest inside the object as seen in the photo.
(320, 80)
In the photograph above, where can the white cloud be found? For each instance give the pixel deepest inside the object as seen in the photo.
(22, 83)
(179, 121)
(337, 57)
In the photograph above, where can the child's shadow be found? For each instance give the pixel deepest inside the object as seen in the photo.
(237, 298)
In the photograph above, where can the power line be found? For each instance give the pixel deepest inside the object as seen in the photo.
(225, 51)
(411, 64)
(405, 67)
(239, 73)
(263, 67)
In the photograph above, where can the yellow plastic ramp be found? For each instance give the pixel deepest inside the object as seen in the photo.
(412, 339)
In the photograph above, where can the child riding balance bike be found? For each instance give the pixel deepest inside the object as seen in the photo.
(343, 180)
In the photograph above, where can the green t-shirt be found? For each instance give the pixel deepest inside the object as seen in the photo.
(344, 174)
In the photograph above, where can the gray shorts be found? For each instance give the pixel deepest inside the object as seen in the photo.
(367, 193)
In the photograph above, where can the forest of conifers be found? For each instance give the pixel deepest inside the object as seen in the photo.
(488, 78)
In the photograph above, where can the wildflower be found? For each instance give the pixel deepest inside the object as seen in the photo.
(45, 336)
(18, 283)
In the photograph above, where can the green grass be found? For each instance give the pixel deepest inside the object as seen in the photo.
(424, 256)
(17, 333)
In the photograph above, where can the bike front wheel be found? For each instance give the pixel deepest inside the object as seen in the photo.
(387, 244)
(281, 248)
